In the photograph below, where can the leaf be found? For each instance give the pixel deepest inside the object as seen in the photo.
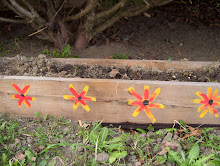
(150, 127)
(204, 159)
(93, 137)
(193, 153)
(142, 131)
(29, 154)
(45, 117)
(43, 163)
(170, 130)
(3, 125)
(37, 114)
(103, 135)
(116, 154)
(114, 140)
(174, 156)
(51, 163)
(118, 146)
(183, 123)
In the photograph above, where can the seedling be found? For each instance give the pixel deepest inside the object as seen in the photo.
(117, 56)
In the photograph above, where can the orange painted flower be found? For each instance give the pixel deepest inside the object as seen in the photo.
(145, 103)
(79, 98)
(209, 102)
(22, 95)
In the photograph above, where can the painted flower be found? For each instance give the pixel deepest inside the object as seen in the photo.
(22, 95)
(145, 103)
(209, 102)
(79, 98)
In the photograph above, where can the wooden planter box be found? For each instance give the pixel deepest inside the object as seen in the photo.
(110, 97)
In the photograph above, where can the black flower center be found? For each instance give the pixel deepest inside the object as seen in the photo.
(210, 102)
(79, 98)
(146, 102)
(22, 95)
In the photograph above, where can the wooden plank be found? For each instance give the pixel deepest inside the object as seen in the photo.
(147, 64)
(111, 103)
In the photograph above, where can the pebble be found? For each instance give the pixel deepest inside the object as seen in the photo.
(102, 157)
(149, 134)
(167, 137)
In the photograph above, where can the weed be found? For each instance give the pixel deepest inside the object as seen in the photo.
(117, 56)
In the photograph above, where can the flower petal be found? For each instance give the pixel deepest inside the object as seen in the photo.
(85, 90)
(146, 92)
(137, 103)
(25, 90)
(217, 98)
(73, 91)
(68, 97)
(20, 101)
(203, 96)
(137, 111)
(135, 94)
(154, 95)
(215, 94)
(201, 108)
(16, 88)
(209, 93)
(215, 112)
(155, 105)
(149, 114)
(197, 100)
(26, 102)
(203, 113)
(87, 98)
(75, 105)
(86, 107)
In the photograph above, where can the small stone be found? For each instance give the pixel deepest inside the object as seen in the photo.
(167, 137)
(181, 44)
(30, 140)
(149, 134)
(102, 157)
(79, 148)
(20, 156)
(42, 56)
(143, 135)
(35, 70)
(132, 159)
(159, 140)
(175, 137)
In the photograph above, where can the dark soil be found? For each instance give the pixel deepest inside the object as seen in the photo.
(42, 66)
(176, 31)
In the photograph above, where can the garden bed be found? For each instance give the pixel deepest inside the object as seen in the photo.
(117, 88)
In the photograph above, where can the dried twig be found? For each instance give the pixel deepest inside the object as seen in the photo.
(91, 5)
(38, 31)
(21, 9)
(12, 20)
(120, 4)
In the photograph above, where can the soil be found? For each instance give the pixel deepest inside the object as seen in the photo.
(176, 31)
(42, 66)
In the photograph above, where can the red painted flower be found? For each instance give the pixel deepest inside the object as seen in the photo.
(209, 102)
(145, 103)
(79, 98)
(22, 95)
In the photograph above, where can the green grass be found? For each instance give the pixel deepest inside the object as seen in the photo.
(51, 144)
(65, 53)
(9, 46)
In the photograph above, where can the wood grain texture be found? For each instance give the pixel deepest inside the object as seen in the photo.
(146, 64)
(112, 99)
